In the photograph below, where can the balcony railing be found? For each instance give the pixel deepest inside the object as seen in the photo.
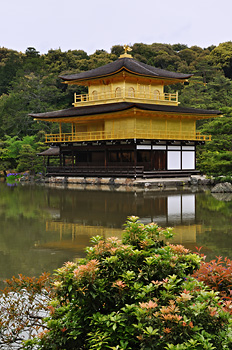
(124, 134)
(126, 95)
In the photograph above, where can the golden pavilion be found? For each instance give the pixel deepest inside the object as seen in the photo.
(126, 125)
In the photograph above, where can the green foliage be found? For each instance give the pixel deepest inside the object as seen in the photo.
(10, 62)
(30, 94)
(12, 177)
(22, 154)
(222, 57)
(28, 160)
(221, 179)
(117, 50)
(134, 294)
(215, 163)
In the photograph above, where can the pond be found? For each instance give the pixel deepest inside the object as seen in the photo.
(41, 227)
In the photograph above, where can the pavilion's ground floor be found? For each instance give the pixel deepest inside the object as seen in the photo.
(132, 158)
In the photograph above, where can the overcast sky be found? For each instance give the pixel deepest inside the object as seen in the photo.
(99, 24)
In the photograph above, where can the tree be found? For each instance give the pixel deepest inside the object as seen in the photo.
(29, 94)
(31, 52)
(188, 55)
(22, 154)
(10, 62)
(100, 58)
(222, 57)
(5, 162)
(179, 47)
(215, 93)
(29, 161)
(117, 50)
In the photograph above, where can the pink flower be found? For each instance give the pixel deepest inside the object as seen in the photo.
(119, 284)
(149, 305)
(167, 330)
(88, 271)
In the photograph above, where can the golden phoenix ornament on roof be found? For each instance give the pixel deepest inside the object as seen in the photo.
(127, 48)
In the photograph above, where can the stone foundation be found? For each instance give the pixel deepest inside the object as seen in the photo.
(159, 184)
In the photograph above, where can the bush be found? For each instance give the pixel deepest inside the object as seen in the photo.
(12, 177)
(217, 274)
(134, 294)
(222, 179)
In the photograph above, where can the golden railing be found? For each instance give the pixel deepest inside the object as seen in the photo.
(124, 134)
(126, 94)
(79, 229)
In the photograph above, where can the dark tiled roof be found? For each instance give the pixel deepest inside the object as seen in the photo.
(121, 106)
(128, 64)
(52, 151)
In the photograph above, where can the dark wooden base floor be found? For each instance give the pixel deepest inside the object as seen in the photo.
(130, 171)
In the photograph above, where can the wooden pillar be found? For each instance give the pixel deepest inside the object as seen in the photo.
(72, 158)
(72, 130)
(60, 158)
(135, 159)
(106, 155)
(181, 157)
(181, 136)
(88, 157)
(195, 155)
(135, 155)
(60, 130)
(152, 157)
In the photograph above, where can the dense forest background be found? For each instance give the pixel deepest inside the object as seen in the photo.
(29, 83)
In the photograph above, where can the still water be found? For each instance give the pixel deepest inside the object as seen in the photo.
(42, 227)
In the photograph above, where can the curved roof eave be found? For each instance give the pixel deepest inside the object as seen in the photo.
(122, 106)
(128, 64)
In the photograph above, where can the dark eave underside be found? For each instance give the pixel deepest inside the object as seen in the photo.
(128, 64)
(122, 106)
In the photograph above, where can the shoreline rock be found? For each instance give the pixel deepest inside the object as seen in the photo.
(225, 187)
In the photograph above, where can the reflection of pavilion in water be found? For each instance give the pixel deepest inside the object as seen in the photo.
(181, 214)
(103, 214)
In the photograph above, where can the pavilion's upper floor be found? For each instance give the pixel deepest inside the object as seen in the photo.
(126, 80)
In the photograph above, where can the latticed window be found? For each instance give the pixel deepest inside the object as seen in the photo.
(156, 94)
(118, 92)
(95, 95)
(107, 91)
(131, 92)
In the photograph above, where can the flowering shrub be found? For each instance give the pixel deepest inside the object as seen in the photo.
(217, 274)
(134, 294)
(12, 177)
